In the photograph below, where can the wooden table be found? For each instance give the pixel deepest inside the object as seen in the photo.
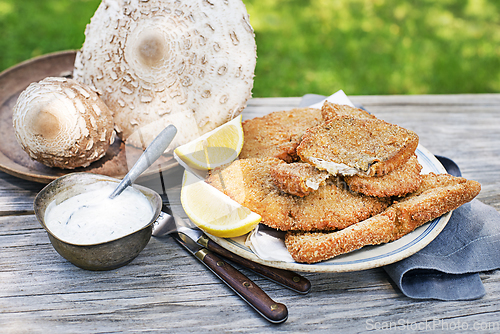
(166, 290)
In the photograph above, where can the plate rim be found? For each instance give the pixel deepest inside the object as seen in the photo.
(423, 236)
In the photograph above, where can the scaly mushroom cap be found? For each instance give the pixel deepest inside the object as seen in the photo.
(154, 63)
(62, 123)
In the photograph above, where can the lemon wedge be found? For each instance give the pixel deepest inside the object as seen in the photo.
(213, 211)
(215, 148)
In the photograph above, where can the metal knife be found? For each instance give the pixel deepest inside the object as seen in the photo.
(286, 278)
(239, 283)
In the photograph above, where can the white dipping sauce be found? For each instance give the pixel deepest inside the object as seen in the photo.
(92, 217)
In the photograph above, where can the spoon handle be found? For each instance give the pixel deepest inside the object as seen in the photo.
(147, 158)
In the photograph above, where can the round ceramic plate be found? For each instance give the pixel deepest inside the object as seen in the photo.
(368, 257)
(14, 161)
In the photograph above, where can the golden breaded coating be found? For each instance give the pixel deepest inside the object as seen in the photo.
(371, 147)
(331, 110)
(332, 206)
(401, 181)
(299, 179)
(277, 134)
(306, 247)
(437, 195)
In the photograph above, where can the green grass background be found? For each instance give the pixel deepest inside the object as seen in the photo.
(317, 46)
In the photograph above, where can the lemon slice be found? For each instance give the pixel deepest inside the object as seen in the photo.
(215, 148)
(213, 211)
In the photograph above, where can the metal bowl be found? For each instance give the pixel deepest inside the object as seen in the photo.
(102, 256)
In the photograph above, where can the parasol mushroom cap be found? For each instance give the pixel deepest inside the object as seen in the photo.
(154, 63)
(62, 123)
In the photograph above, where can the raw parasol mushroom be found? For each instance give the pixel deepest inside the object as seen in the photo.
(154, 63)
(62, 123)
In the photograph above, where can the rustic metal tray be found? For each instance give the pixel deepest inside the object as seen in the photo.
(15, 161)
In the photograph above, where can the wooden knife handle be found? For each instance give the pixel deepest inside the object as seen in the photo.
(245, 288)
(286, 278)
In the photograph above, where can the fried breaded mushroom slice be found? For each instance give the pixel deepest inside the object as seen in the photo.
(349, 146)
(437, 195)
(331, 110)
(401, 181)
(278, 134)
(332, 206)
(299, 179)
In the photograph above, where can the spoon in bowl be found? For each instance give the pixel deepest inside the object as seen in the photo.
(147, 158)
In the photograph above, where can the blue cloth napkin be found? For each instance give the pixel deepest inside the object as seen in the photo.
(448, 268)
